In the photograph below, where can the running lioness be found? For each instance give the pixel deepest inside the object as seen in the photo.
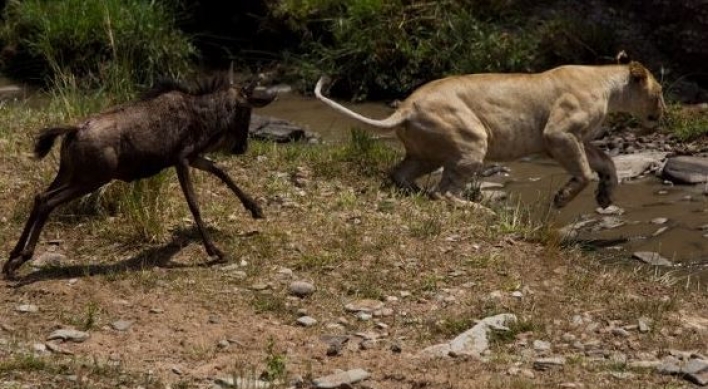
(459, 122)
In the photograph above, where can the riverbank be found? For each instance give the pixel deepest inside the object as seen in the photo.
(343, 273)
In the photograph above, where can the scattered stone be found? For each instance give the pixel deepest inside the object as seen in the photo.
(122, 325)
(659, 220)
(608, 223)
(548, 363)
(634, 165)
(55, 348)
(652, 258)
(694, 370)
(259, 287)
(517, 294)
(363, 316)
(611, 210)
(306, 321)
(156, 310)
(644, 324)
(301, 288)
(617, 331)
(278, 130)
(541, 345)
(366, 305)
(27, 308)
(473, 342)
(48, 258)
(342, 379)
(250, 383)
(69, 334)
(39, 347)
(177, 370)
(622, 376)
(222, 344)
(660, 231)
(686, 169)
(213, 319)
(383, 312)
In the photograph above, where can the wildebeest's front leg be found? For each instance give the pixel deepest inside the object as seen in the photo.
(606, 171)
(209, 166)
(188, 190)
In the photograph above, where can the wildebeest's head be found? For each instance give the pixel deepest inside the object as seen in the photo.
(248, 97)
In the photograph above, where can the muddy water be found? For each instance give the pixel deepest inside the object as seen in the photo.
(533, 182)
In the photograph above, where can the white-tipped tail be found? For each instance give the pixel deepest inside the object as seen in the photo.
(396, 119)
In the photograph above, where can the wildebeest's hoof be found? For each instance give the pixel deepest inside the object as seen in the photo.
(11, 266)
(257, 213)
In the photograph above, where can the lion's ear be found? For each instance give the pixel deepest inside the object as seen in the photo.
(622, 58)
(637, 71)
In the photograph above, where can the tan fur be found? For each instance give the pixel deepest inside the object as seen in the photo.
(459, 122)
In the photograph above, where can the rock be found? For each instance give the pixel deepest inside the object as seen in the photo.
(622, 376)
(342, 379)
(366, 305)
(611, 210)
(238, 382)
(335, 343)
(122, 325)
(363, 316)
(630, 166)
(69, 334)
(10, 92)
(686, 170)
(27, 308)
(277, 130)
(306, 321)
(472, 342)
(55, 348)
(608, 223)
(548, 363)
(48, 258)
(694, 370)
(223, 344)
(259, 287)
(652, 258)
(644, 324)
(493, 196)
(659, 220)
(301, 288)
(39, 347)
(620, 332)
(541, 345)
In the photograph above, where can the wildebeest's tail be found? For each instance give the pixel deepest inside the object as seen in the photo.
(396, 119)
(45, 139)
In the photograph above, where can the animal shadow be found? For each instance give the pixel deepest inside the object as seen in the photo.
(159, 256)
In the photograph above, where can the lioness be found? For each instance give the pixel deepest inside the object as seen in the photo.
(459, 122)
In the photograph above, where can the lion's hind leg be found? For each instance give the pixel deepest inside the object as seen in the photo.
(408, 170)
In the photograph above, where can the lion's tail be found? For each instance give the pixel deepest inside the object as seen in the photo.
(396, 119)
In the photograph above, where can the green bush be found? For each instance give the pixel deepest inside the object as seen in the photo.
(386, 48)
(111, 44)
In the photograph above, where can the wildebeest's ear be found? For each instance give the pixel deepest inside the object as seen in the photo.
(622, 58)
(637, 71)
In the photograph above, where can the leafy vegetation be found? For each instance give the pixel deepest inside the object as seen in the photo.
(112, 45)
(387, 48)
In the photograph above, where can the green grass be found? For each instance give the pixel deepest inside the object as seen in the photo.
(686, 125)
(110, 44)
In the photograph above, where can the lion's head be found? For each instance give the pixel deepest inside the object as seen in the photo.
(645, 95)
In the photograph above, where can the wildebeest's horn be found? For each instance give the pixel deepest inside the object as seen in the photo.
(231, 74)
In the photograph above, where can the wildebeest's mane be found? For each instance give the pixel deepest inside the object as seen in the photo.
(201, 87)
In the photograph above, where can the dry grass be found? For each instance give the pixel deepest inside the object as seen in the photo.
(438, 268)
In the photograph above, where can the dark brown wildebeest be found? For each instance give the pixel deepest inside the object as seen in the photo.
(171, 125)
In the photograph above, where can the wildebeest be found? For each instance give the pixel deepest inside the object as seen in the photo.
(170, 125)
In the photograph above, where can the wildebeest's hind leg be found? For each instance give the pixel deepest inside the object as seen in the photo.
(188, 190)
(209, 166)
(58, 193)
(606, 171)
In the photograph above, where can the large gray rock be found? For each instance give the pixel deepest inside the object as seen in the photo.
(652, 258)
(472, 342)
(277, 130)
(686, 170)
(631, 166)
